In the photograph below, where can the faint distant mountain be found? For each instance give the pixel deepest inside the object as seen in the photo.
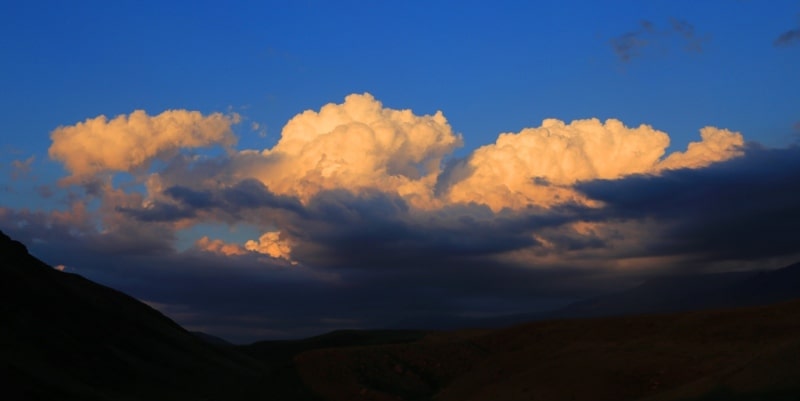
(684, 293)
(63, 337)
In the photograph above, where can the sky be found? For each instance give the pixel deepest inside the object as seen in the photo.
(280, 169)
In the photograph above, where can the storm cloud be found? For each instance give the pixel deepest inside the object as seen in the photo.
(741, 209)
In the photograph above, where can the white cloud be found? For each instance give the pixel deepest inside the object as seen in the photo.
(357, 145)
(538, 166)
(125, 143)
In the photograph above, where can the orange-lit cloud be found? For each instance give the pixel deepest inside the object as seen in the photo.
(270, 244)
(538, 166)
(362, 152)
(358, 145)
(128, 142)
(716, 145)
(219, 246)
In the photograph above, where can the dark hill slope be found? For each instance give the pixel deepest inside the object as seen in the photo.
(64, 337)
(281, 351)
(733, 354)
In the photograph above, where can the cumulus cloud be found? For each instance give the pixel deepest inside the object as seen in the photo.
(357, 145)
(363, 201)
(270, 243)
(128, 142)
(538, 166)
(716, 145)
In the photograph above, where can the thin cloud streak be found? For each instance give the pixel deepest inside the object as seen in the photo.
(788, 38)
(635, 44)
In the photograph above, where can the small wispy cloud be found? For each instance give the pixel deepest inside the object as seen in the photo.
(21, 168)
(632, 44)
(629, 45)
(693, 43)
(788, 38)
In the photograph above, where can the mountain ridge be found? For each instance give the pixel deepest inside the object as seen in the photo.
(65, 337)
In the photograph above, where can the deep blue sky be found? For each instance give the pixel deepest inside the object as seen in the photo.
(490, 67)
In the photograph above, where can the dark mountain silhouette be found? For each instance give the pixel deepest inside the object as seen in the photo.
(279, 351)
(211, 339)
(63, 337)
(732, 354)
(685, 293)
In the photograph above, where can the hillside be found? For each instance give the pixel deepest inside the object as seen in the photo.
(64, 337)
(734, 354)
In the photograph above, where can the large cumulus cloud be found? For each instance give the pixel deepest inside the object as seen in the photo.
(359, 214)
(126, 142)
(358, 145)
(539, 166)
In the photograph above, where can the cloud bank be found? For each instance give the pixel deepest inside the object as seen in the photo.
(359, 213)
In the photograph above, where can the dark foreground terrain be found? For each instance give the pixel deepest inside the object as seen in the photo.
(63, 337)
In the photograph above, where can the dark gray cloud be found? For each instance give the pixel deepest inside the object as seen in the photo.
(742, 209)
(788, 38)
(248, 297)
(366, 260)
(630, 44)
(634, 44)
(158, 212)
(246, 195)
(692, 42)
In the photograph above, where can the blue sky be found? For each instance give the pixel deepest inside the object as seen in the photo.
(489, 67)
